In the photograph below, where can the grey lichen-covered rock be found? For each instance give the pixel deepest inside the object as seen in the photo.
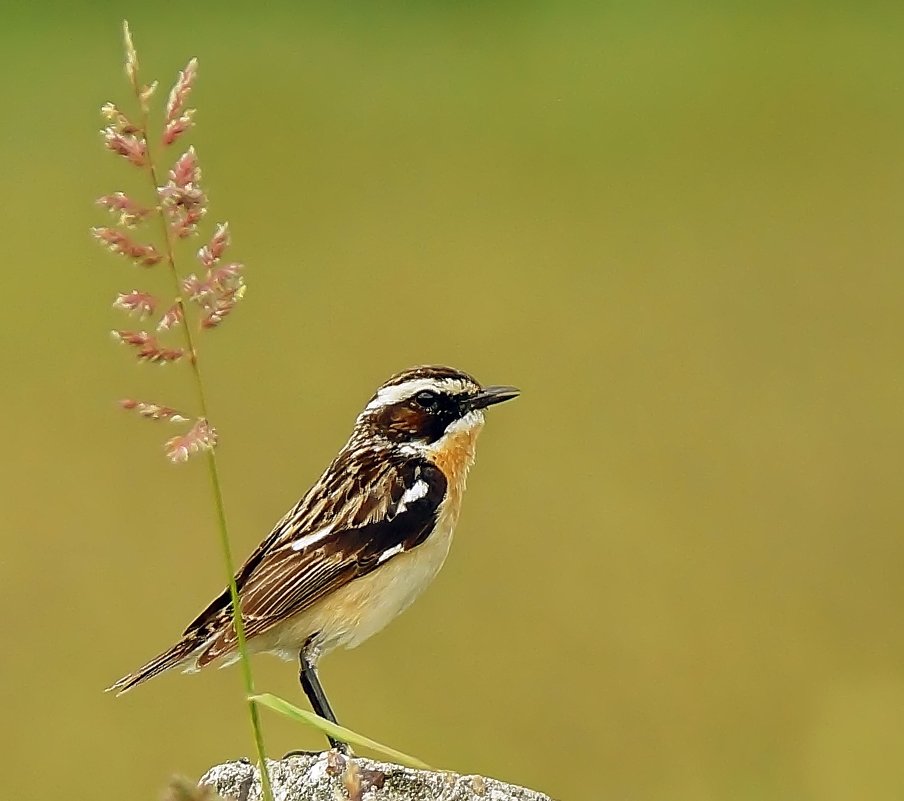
(330, 776)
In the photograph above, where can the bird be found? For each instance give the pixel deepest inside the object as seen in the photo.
(361, 545)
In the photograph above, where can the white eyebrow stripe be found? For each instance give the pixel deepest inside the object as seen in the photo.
(399, 392)
(310, 539)
(414, 493)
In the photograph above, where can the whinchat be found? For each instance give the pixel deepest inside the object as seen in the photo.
(364, 541)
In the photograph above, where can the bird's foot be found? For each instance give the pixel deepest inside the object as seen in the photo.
(300, 752)
(341, 748)
(335, 747)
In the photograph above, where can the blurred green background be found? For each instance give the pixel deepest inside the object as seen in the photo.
(678, 227)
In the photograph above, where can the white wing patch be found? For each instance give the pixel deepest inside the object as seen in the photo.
(417, 491)
(311, 539)
(389, 554)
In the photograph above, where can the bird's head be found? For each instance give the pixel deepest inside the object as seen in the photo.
(422, 405)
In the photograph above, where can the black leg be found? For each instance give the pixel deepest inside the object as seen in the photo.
(310, 683)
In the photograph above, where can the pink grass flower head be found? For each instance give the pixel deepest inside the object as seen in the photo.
(120, 242)
(141, 304)
(182, 196)
(171, 318)
(153, 411)
(147, 233)
(179, 118)
(210, 254)
(200, 437)
(147, 348)
(130, 213)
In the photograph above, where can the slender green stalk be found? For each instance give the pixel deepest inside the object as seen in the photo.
(213, 472)
(338, 732)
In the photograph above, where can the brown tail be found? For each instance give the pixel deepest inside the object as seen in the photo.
(168, 659)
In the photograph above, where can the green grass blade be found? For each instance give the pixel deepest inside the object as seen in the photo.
(335, 731)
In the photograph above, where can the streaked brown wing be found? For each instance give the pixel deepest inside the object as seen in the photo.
(284, 581)
(360, 485)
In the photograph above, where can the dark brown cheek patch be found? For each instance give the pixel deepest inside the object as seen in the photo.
(403, 422)
(409, 421)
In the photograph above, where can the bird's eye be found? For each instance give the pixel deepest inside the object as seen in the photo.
(427, 400)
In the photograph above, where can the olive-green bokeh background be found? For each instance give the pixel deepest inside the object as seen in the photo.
(679, 570)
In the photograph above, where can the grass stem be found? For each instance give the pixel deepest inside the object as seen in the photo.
(212, 469)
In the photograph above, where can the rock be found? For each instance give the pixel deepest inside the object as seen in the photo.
(330, 776)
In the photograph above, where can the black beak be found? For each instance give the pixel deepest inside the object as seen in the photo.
(490, 395)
